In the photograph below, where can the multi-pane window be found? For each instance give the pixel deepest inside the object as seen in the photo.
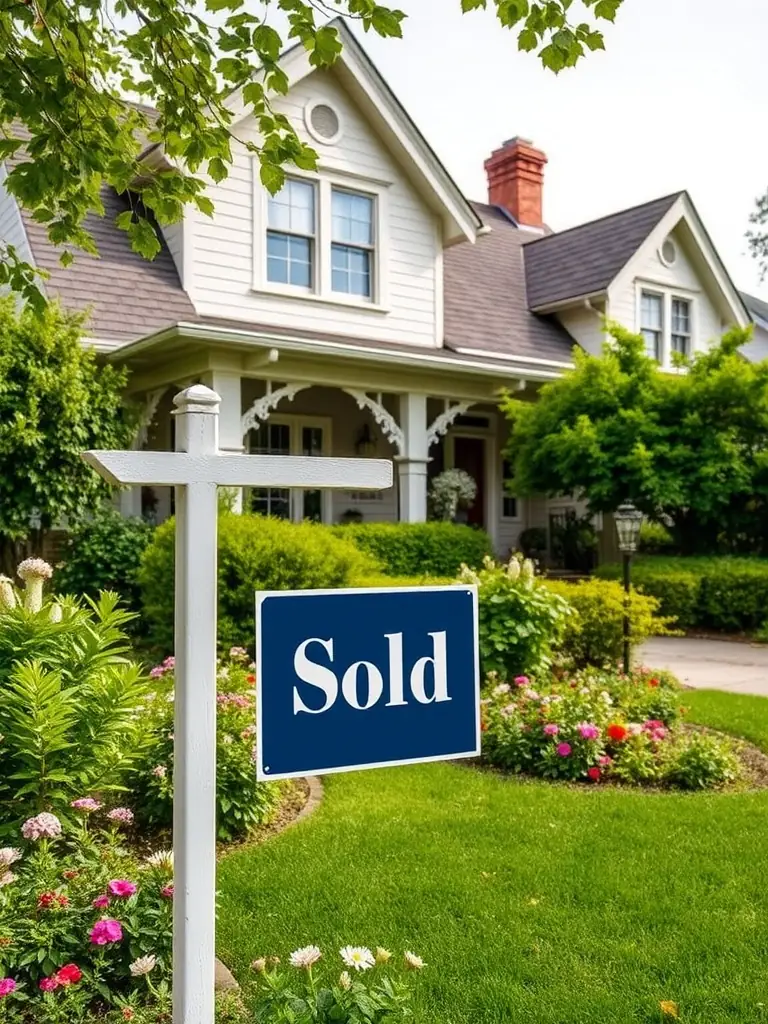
(291, 234)
(652, 323)
(289, 436)
(271, 439)
(681, 326)
(508, 501)
(352, 243)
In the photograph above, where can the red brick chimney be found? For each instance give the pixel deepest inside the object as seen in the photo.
(516, 179)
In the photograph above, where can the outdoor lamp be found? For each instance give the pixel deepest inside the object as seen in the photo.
(628, 522)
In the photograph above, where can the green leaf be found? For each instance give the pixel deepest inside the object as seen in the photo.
(472, 5)
(272, 177)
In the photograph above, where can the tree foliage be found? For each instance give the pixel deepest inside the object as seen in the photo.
(757, 235)
(55, 402)
(65, 71)
(689, 448)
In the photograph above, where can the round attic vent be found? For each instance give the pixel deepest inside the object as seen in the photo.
(323, 122)
(668, 252)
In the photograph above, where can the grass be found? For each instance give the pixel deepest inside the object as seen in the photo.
(532, 903)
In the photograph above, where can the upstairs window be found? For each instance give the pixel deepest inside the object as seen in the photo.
(291, 231)
(681, 326)
(652, 323)
(352, 243)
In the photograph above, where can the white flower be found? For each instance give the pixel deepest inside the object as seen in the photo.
(9, 855)
(606, 697)
(513, 569)
(509, 710)
(160, 771)
(383, 956)
(501, 688)
(359, 957)
(7, 878)
(584, 691)
(7, 594)
(304, 957)
(345, 981)
(528, 570)
(143, 965)
(414, 962)
(56, 613)
(33, 571)
(161, 859)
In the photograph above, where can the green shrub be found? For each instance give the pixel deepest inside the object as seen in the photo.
(416, 549)
(717, 593)
(255, 553)
(521, 621)
(241, 801)
(380, 580)
(698, 761)
(595, 634)
(69, 713)
(104, 553)
(655, 539)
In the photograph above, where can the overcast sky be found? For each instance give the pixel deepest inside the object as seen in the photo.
(679, 99)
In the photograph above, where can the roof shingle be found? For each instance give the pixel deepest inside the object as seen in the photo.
(585, 259)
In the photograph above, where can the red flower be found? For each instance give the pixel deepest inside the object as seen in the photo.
(653, 682)
(46, 900)
(617, 732)
(69, 875)
(251, 679)
(594, 774)
(70, 974)
(127, 1013)
(483, 726)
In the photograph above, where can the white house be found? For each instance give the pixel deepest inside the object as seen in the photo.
(371, 309)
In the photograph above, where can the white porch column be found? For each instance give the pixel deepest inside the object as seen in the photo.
(412, 463)
(226, 384)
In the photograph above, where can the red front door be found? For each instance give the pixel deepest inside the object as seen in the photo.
(469, 455)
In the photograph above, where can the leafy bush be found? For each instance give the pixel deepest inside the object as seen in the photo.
(521, 620)
(104, 553)
(595, 634)
(717, 593)
(82, 922)
(70, 699)
(242, 802)
(655, 539)
(255, 553)
(296, 994)
(416, 549)
(533, 542)
(594, 725)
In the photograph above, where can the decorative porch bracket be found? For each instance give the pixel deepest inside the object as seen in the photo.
(263, 406)
(382, 416)
(441, 424)
(148, 414)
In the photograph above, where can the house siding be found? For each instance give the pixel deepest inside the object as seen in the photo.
(757, 349)
(623, 303)
(224, 253)
(585, 326)
(11, 227)
(174, 239)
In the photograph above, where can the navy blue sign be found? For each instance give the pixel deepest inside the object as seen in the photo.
(352, 679)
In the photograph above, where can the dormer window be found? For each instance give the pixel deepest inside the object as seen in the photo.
(666, 322)
(681, 326)
(652, 323)
(323, 238)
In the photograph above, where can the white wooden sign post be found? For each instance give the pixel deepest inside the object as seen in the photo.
(196, 469)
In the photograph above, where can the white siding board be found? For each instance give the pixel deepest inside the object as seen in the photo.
(11, 225)
(224, 245)
(174, 239)
(584, 326)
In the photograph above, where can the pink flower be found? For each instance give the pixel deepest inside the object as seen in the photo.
(101, 901)
(156, 672)
(42, 826)
(170, 663)
(106, 930)
(86, 804)
(160, 771)
(604, 761)
(563, 749)
(551, 729)
(7, 985)
(49, 984)
(167, 891)
(521, 680)
(121, 815)
(120, 887)
(589, 731)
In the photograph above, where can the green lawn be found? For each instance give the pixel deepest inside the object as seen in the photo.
(531, 903)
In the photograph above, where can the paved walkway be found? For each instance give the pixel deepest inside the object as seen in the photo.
(711, 664)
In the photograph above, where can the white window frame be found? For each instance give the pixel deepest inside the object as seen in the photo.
(325, 181)
(311, 238)
(672, 332)
(653, 293)
(518, 518)
(667, 295)
(295, 422)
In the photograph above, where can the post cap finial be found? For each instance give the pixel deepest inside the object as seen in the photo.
(197, 398)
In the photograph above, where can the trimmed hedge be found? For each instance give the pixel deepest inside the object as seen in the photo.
(595, 634)
(719, 593)
(419, 549)
(255, 553)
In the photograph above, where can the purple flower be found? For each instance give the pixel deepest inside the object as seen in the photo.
(550, 729)
(589, 731)
(121, 887)
(105, 931)
(86, 804)
(7, 985)
(42, 826)
(563, 749)
(121, 815)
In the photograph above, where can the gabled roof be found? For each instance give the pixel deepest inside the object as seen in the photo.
(757, 308)
(485, 308)
(584, 260)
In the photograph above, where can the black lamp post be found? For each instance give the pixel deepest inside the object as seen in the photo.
(628, 522)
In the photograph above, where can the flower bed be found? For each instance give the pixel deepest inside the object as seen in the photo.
(598, 725)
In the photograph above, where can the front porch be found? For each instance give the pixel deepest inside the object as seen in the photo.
(364, 404)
